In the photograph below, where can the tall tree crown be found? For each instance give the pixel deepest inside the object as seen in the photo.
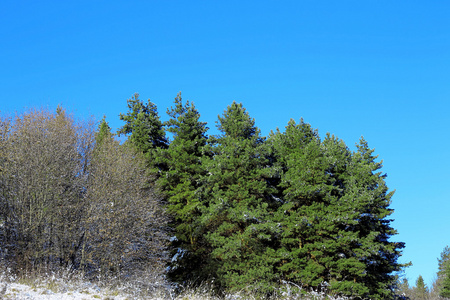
(180, 181)
(236, 122)
(143, 125)
(184, 122)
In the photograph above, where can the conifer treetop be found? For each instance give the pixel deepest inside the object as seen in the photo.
(236, 123)
(143, 125)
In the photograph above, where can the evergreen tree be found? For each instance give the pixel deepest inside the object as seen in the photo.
(367, 187)
(236, 213)
(445, 285)
(443, 280)
(333, 217)
(180, 182)
(103, 133)
(443, 264)
(145, 130)
(421, 290)
(305, 197)
(443, 261)
(316, 250)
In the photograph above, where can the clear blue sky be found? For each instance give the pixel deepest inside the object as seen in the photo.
(380, 69)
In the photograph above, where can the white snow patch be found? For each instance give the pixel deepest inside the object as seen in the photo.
(25, 292)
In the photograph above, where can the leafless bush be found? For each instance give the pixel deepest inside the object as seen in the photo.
(124, 225)
(42, 181)
(67, 202)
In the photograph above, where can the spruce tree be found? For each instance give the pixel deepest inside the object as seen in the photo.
(311, 241)
(144, 129)
(421, 290)
(445, 285)
(443, 265)
(236, 214)
(365, 260)
(335, 230)
(103, 132)
(367, 189)
(180, 182)
(443, 261)
(443, 280)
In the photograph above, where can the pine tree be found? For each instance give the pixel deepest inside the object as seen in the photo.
(421, 290)
(443, 280)
(236, 213)
(145, 130)
(445, 285)
(315, 250)
(444, 260)
(103, 133)
(180, 182)
(333, 217)
(367, 195)
(305, 199)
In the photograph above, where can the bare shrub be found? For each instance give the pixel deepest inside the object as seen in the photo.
(44, 156)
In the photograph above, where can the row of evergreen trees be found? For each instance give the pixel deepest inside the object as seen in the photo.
(440, 288)
(254, 212)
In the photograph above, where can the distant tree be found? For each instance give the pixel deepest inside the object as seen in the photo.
(443, 266)
(433, 291)
(236, 213)
(180, 181)
(421, 290)
(443, 261)
(403, 290)
(443, 275)
(103, 133)
(445, 286)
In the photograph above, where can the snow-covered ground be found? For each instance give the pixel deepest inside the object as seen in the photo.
(67, 286)
(25, 292)
(71, 285)
(22, 291)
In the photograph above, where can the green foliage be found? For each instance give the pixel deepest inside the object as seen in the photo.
(444, 273)
(180, 181)
(333, 216)
(371, 200)
(421, 290)
(305, 200)
(445, 287)
(444, 260)
(237, 214)
(249, 212)
(144, 128)
(103, 133)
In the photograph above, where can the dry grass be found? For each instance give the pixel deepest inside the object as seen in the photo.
(67, 284)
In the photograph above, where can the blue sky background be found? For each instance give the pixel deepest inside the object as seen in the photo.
(380, 69)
